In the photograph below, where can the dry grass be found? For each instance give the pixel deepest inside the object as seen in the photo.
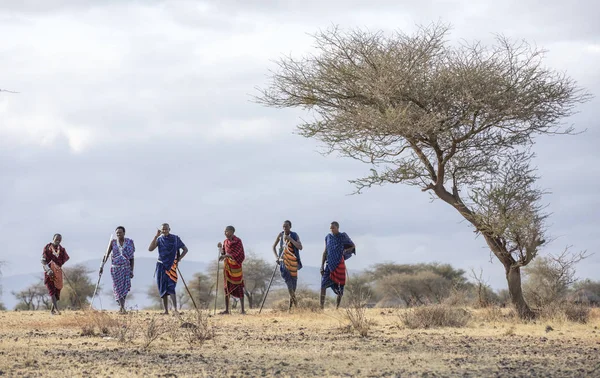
(566, 312)
(436, 316)
(297, 344)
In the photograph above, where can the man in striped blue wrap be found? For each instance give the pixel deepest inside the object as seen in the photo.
(289, 258)
(169, 246)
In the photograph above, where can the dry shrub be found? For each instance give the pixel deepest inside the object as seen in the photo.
(154, 329)
(124, 330)
(92, 321)
(356, 312)
(458, 298)
(491, 314)
(308, 300)
(435, 316)
(196, 329)
(566, 312)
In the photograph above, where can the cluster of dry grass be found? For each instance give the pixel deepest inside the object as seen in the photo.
(302, 343)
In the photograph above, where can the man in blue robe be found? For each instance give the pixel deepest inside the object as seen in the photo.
(169, 255)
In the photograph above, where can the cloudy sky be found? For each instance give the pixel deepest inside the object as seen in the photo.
(136, 113)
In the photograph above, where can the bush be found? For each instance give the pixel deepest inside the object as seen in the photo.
(356, 311)
(435, 316)
(566, 312)
(92, 321)
(196, 328)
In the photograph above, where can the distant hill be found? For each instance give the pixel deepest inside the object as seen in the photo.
(144, 270)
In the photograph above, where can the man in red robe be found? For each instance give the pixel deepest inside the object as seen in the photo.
(54, 256)
(232, 254)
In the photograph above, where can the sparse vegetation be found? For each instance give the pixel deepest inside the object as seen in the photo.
(254, 345)
(435, 316)
(356, 311)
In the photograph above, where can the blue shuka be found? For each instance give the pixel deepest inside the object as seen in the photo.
(334, 274)
(166, 266)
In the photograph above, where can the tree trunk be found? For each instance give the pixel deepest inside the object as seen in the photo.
(513, 277)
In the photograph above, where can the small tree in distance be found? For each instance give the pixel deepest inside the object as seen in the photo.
(457, 121)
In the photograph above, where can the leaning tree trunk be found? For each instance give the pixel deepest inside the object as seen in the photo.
(513, 277)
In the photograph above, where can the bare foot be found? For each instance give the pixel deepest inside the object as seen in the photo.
(224, 313)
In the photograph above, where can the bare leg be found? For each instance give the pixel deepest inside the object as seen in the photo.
(174, 299)
(166, 303)
(339, 299)
(226, 305)
(323, 298)
(55, 305)
(242, 302)
(122, 305)
(292, 298)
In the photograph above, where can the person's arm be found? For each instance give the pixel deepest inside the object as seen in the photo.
(154, 244)
(131, 263)
(185, 251)
(323, 260)
(275, 246)
(131, 259)
(66, 255)
(297, 243)
(105, 258)
(46, 264)
(350, 248)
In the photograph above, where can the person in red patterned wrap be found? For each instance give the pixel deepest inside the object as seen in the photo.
(232, 255)
(53, 258)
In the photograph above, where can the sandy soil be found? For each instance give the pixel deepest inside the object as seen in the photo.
(303, 344)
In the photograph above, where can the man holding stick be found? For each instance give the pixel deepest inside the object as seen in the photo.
(232, 254)
(289, 258)
(169, 246)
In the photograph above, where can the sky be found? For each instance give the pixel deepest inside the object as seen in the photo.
(136, 113)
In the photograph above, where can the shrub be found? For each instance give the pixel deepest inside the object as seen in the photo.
(435, 316)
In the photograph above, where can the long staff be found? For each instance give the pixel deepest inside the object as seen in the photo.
(217, 284)
(104, 258)
(186, 288)
(269, 287)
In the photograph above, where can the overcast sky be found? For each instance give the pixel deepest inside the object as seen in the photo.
(136, 113)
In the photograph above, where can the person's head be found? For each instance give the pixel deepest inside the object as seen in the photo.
(335, 227)
(229, 231)
(165, 229)
(287, 226)
(120, 232)
(56, 239)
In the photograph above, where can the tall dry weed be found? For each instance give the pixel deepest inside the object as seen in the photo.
(196, 328)
(356, 312)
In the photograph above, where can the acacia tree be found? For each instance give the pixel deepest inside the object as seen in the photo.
(456, 120)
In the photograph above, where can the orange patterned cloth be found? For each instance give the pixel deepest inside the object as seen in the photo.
(232, 267)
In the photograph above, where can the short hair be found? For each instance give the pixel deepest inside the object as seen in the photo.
(230, 228)
(55, 235)
(288, 222)
(120, 228)
(336, 224)
(166, 224)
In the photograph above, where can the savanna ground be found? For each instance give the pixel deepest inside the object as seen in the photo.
(301, 344)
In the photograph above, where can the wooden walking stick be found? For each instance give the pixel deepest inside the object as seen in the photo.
(217, 284)
(104, 258)
(186, 288)
(270, 282)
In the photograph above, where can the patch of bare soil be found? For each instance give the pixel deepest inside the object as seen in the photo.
(303, 344)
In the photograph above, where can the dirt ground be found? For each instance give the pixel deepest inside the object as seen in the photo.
(302, 344)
